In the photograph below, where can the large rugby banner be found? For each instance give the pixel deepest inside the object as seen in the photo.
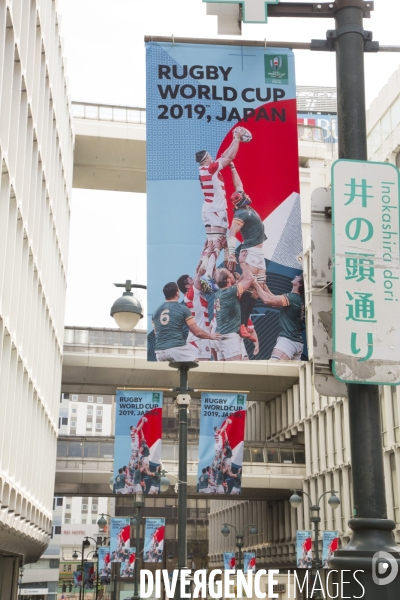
(223, 201)
(137, 451)
(222, 428)
(154, 536)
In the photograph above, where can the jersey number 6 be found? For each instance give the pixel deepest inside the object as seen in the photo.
(164, 317)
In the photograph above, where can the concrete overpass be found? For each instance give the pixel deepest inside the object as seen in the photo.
(80, 473)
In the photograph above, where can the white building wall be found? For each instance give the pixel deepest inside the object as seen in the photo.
(36, 147)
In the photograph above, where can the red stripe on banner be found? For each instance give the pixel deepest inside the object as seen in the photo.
(152, 429)
(267, 181)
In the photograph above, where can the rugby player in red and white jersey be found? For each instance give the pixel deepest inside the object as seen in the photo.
(214, 211)
(254, 339)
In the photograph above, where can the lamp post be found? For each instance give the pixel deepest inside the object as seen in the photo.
(85, 544)
(127, 310)
(239, 537)
(138, 503)
(182, 403)
(295, 500)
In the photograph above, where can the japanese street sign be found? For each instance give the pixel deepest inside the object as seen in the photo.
(366, 329)
(254, 11)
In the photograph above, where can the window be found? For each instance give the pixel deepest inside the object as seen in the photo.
(73, 411)
(106, 450)
(75, 449)
(84, 506)
(395, 490)
(334, 437)
(67, 521)
(343, 435)
(60, 501)
(272, 455)
(54, 563)
(57, 530)
(257, 455)
(83, 521)
(73, 424)
(300, 457)
(99, 425)
(89, 425)
(64, 421)
(67, 507)
(90, 411)
(94, 521)
(90, 398)
(91, 449)
(99, 400)
(286, 456)
(94, 507)
(99, 412)
(74, 397)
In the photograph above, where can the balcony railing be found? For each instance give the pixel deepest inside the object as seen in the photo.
(108, 112)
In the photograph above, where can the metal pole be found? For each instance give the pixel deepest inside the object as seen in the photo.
(239, 545)
(138, 517)
(372, 530)
(97, 577)
(81, 588)
(182, 475)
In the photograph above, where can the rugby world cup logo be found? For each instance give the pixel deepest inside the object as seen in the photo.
(240, 400)
(276, 62)
(156, 398)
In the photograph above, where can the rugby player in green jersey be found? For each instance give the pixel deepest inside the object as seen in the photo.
(248, 222)
(289, 345)
(227, 308)
(168, 322)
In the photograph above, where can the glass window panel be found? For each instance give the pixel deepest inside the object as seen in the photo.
(246, 455)
(106, 450)
(78, 110)
(75, 449)
(68, 337)
(62, 448)
(139, 340)
(286, 455)
(106, 113)
(91, 449)
(257, 455)
(127, 338)
(300, 457)
(81, 336)
(120, 115)
(273, 455)
(91, 112)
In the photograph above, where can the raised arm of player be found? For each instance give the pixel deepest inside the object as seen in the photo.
(268, 298)
(237, 182)
(231, 152)
(247, 278)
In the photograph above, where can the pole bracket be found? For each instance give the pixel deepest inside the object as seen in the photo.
(332, 35)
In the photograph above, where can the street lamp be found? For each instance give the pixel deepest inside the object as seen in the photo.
(239, 537)
(85, 544)
(164, 481)
(102, 522)
(21, 574)
(295, 500)
(127, 310)
(138, 503)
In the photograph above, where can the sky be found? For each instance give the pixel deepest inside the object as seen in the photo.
(105, 63)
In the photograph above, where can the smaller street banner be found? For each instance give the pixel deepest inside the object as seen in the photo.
(104, 565)
(366, 273)
(89, 576)
(138, 432)
(120, 539)
(229, 561)
(330, 543)
(222, 428)
(128, 566)
(78, 579)
(249, 562)
(304, 549)
(154, 540)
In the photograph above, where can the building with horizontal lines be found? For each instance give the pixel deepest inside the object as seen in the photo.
(36, 153)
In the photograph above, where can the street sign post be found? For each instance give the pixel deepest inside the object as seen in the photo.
(366, 290)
